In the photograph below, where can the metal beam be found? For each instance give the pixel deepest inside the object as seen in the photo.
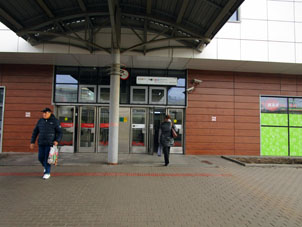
(82, 5)
(159, 40)
(62, 19)
(10, 19)
(149, 6)
(45, 8)
(69, 37)
(49, 13)
(166, 22)
(113, 20)
(223, 13)
(213, 4)
(148, 11)
(182, 11)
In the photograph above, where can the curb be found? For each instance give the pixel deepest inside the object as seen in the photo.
(261, 165)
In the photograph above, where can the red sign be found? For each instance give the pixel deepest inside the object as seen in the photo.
(104, 125)
(272, 105)
(66, 125)
(87, 125)
(124, 74)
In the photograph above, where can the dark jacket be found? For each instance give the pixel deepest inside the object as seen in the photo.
(49, 130)
(165, 134)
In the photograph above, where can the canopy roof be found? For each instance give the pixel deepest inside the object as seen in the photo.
(188, 23)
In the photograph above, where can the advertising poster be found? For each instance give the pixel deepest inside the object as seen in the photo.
(274, 141)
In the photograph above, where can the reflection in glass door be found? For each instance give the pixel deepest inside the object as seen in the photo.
(87, 129)
(138, 130)
(103, 129)
(156, 117)
(177, 119)
(66, 117)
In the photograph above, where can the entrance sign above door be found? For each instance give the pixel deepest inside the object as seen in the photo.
(172, 81)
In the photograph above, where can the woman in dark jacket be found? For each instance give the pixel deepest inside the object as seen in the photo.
(165, 137)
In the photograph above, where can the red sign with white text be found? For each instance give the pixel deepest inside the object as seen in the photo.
(104, 125)
(66, 125)
(87, 125)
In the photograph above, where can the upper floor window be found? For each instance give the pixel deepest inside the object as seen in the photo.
(235, 16)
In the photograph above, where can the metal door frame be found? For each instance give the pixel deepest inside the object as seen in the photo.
(151, 130)
(83, 149)
(178, 150)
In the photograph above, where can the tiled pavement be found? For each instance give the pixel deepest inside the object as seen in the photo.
(140, 191)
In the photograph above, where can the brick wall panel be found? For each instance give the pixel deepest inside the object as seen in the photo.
(28, 89)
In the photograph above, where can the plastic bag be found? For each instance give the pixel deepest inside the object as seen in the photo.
(53, 155)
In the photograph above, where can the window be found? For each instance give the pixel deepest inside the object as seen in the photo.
(87, 93)
(157, 95)
(281, 126)
(92, 85)
(104, 94)
(176, 96)
(139, 95)
(66, 88)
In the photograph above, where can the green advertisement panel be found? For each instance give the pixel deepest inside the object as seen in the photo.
(274, 119)
(295, 141)
(274, 141)
(295, 120)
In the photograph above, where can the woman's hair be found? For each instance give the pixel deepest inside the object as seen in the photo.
(167, 117)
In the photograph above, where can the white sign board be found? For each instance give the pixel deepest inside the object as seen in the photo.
(149, 80)
(138, 125)
(213, 118)
(27, 114)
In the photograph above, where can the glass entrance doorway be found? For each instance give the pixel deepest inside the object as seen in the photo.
(156, 117)
(87, 129)
(103, 129)
(66, 115)
(138, 129)
(177, 119)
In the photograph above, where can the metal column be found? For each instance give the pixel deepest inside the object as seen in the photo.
(115, 20)
(114, 108)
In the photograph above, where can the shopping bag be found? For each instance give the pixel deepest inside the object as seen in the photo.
(53, 155)
(174, 134)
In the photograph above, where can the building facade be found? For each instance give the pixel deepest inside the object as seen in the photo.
(240, 96)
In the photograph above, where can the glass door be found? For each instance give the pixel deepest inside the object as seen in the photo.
(138, 131)
(157, 116)
(66, 115)
(103, 132)
(177, 119)
(87, 129)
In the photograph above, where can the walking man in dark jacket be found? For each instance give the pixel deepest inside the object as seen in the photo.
(49, 130)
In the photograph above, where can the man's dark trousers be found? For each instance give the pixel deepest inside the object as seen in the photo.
(43, 157)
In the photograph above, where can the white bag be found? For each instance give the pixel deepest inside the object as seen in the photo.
(53, 155)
